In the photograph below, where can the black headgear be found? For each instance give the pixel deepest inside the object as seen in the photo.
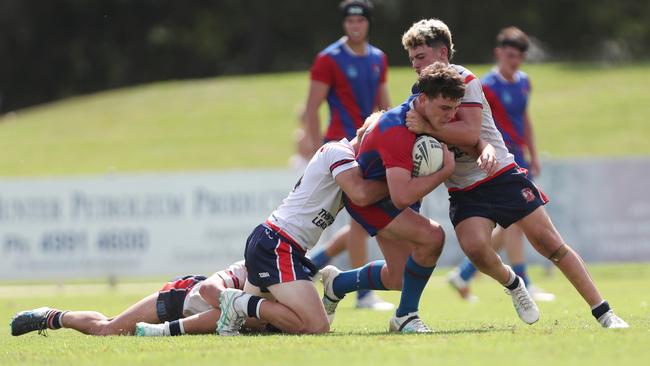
(363, 8)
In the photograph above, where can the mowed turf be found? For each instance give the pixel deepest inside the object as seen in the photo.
(485, 333)
(248, 122)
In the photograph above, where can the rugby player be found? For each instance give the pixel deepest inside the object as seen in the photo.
(410, 242)
(478, 202)
(165, 311)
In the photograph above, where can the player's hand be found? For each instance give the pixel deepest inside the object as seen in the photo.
(448, 160)
(535, 167)
(417, 124)
(487, 161)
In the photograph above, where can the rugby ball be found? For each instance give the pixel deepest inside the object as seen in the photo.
(427, 156)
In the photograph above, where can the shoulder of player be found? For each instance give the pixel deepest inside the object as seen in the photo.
(333, 49)
(467, 75)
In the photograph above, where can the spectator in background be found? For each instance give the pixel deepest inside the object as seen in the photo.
(351, 75)
(507, 90)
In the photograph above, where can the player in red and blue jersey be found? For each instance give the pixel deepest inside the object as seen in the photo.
(350, 74)
(507, 90)
(410, 242)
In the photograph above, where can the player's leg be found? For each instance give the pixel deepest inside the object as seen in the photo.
(297, 308)
(357, 247)
(87, 322)
(474, 236)
(542, 234)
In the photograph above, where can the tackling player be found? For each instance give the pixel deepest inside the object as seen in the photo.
(507, 90)
(478, 202)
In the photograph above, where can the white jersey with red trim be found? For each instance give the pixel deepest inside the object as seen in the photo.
(315, 201)
(467, 172)
(233, 277)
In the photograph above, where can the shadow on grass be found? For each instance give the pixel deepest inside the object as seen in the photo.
(446, 332)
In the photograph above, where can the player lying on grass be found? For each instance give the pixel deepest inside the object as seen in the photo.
(478, 202)
(411, 243)
(166, 310)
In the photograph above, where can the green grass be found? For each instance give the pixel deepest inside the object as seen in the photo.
(486, 333)
(235, 122)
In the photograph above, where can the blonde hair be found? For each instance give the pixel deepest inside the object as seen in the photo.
(371, 120)
(430, 32)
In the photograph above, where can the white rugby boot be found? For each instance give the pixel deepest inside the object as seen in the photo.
(612, 321)
(373, 302)
(143, 329)
(461, 286)
(330, 300)
(231, 319)
(409, 323)
(524, 304)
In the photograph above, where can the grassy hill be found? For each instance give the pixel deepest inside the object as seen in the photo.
(235, 122)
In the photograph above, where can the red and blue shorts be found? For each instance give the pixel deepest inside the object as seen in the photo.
(272, 257)
(376, 216)
(171, 297)
(505, 198)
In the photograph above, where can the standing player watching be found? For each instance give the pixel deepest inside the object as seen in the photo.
(507, 90)
(351, 75)
(479, 201)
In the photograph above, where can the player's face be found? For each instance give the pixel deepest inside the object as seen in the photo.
(509, 59)
(356, 28)
(423, 56)
(440, 110)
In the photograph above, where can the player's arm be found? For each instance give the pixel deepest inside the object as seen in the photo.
(362, 192)
(530, 143)
(405, 190)
(487, 157)
(313, 137)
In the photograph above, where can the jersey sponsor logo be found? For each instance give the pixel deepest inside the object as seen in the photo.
(352, 72)
(323, 219)
(264, 275)
(528, 194)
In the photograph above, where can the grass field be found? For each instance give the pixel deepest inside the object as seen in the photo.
(234, 122)
(485, 333)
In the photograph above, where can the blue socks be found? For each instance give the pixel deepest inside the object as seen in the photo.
(367, 277)
(321, 259)
(520, 270)
(415, 279)
(467, 270)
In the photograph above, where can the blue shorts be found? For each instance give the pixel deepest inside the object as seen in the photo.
(376, 216)
(505, 199)
(171, 298)
(272, 258)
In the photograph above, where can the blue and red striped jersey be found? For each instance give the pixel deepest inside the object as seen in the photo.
(387, 144)
(508, 102)
(354, 83)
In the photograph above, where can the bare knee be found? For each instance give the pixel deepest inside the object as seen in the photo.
(432, 239)
(105, 328)
(393, 282)
(316, 327)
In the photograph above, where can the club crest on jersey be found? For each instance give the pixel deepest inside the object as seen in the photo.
(528, 194)
(352, 72)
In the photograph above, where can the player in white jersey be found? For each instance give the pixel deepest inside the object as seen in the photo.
(479, 202)
(178, 308)
(275, 250)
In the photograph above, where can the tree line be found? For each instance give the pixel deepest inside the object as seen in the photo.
(54, 49)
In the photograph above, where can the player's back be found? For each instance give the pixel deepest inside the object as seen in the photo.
(387, 144)
(315, 200)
